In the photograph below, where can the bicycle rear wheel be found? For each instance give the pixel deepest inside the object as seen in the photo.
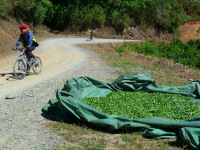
(37, 65)
(19, 69)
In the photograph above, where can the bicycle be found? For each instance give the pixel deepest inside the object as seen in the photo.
(90, 37)
(20, 65)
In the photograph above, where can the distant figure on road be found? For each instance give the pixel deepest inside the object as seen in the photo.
(90, 37)
(91, 34)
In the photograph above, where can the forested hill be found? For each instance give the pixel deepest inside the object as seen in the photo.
(80, 15)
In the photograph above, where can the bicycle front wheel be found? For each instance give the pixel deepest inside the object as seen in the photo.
(19, 69)
(37, 65)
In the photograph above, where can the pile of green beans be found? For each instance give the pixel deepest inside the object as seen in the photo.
(135, 105)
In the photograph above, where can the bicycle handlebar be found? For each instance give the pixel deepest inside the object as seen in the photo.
(21, 49)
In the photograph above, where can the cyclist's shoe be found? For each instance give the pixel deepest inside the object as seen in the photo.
(34, 59)
(28, 69)
(28, 72)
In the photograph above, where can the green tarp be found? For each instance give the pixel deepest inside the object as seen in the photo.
(68, 103)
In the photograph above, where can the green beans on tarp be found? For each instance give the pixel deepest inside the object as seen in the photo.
(68, 102)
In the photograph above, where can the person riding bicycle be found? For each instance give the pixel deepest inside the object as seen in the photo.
(91, 34)
(26, 38)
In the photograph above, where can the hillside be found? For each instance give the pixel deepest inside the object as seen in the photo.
(9, 31)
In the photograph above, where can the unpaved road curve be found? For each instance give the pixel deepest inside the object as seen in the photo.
(58, 55)
(22, 124)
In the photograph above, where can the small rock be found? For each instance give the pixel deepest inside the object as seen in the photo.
(191, 79)
(10, 97)
(29, 95)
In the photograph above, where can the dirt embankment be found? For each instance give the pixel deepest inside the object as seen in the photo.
(190, 30)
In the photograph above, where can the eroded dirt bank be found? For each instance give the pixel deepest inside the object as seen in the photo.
(190, 30)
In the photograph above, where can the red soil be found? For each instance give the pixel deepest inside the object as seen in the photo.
(190, 30)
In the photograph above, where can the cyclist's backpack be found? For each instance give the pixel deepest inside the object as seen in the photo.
(34, 41)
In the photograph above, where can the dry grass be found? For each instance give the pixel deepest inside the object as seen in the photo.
(164, 71)
(81, 136)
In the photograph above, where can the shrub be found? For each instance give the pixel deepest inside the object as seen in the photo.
(93, 16)
(149, 48)
(169, 15)
(184, 53)
(164, 50)
(56, 17)
(120, 49)
(192, 7)
(119, 20)
(30, 10)
(3, 8)
(162, 14)
(40, 11)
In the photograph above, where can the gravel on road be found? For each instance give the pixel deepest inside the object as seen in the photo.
(22, 124)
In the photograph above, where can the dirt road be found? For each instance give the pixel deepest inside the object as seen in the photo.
(58, 55)
(22, 124)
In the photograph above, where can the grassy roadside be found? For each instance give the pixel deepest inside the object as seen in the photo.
(165, 72)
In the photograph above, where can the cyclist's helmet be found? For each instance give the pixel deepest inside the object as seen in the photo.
(23, 26)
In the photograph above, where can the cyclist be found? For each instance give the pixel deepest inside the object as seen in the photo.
(91, 34)
(26, 38)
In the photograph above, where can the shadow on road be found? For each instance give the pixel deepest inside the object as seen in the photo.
(8, 75)
(11, 76)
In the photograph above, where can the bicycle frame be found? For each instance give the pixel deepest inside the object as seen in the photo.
(23, 56)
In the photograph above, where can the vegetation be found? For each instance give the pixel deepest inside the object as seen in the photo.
(178, 51)
(139, 105)
(191, 7)
(80, 15)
